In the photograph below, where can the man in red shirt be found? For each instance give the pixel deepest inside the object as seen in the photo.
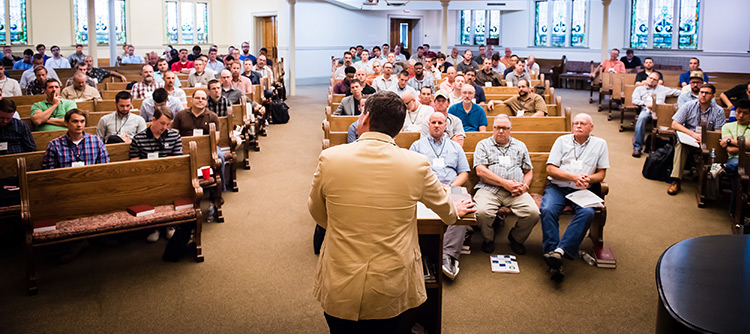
(184, 65)
(612, 64)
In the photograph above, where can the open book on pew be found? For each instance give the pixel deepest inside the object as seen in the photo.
(585, 199)
(685, 138)
(457, 194)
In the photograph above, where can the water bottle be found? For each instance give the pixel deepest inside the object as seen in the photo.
(587, 258)
(211, 211)
(713, 156)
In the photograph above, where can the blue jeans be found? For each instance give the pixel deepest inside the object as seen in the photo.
(221, 169)
(553, 204)
(731, 168)
(640, 129)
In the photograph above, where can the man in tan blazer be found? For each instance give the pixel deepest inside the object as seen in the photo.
(365, 194)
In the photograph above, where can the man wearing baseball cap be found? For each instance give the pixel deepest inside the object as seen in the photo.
(695, 82)
(454, 127)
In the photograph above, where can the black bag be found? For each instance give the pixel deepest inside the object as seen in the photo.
(658, 165)
(180, 243)
(279, 111)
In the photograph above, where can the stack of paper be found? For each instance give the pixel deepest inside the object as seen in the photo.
(585, 199)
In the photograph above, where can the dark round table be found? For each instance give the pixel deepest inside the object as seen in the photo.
(704, 286)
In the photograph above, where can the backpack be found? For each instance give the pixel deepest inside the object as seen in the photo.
(279, 111)
(658, 165)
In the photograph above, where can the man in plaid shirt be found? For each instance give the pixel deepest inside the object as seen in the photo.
(76, 148)
(216, 102)
(148, 85)
(15, 136)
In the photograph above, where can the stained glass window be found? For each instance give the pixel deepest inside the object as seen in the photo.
(663, 11)
(494, 24)
(578, 28)
(186, 22)
(688, 35)
(465, 27)
(80, 13)
(540, 34)
(13, 22)
(559, 24)
(474, 26)
(479, 26)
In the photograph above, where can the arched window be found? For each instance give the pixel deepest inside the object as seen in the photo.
(80, 15)
(658, 24)
(479, 27)
(13, 26)
(186, 22)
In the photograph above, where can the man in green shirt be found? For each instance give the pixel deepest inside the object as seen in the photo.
(48, 115)
(729, 134)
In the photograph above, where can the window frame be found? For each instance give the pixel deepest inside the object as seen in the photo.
(675, 30)
(209, 8)
(8, 41)
(568, 20)
(487, 20)
(126, 23)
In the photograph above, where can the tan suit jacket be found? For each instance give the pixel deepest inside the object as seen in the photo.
(365, 195)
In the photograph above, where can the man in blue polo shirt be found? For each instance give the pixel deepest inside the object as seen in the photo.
(471, 114)
(694, 65)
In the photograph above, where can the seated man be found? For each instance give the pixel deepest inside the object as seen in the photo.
(239, 82)
(25, 63)
(159, 97)
(196, 53)
(36, 86)
(56, 61)
(48, 115)
(8, 85)
(201, 76)
(576, 161)
(532, 68)
(648, 68)
(497, 66)
(512, 78)
(162, 67)
(401, 86)
(342, 87)
(729, 134)
(454, 127)
(695, 82)
(169, 85)
(688, 119)
(377, 70)
(80, 91)
(487, 75)
(217, 103)
(213, 63)
(245, 53)
(458, 84)
(511, 66)
(120, 126)
(441, 64)
(75, 148)
(339, 74)
(82, 68)
(99, 74)
(387, 80)
(15, 135)
(430, 70)
(479, 96)
(426, 98)
(472, 115)
(448, 161)
(467, 63)
(505, 172)
(642, 98)
(736, 93)
(142, 89)
(526, 103)
(361, 75)
(249, 73)
(611, 65)
(693, 66)
(77, 57)
(420, 80)
(416, 114)
(447, 84)
(130, 57)
(349, 105)
(507, 58)
(233, 95)
(365, 62)
(630, 60)
(351, 132)
(183, 65)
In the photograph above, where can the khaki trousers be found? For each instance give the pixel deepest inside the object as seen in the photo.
(681, 154)
(522, 206)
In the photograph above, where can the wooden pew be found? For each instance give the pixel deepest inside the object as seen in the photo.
(552, 109)
(207, 155)
(27, 99)
(42, 138)
(536, 141)
(742, 205)
(24, 111)
(111, 105)
(709, 143)
(663, 125)
(128, 183)
(228, 141)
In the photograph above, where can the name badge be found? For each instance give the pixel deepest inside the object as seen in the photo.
(519, 113)
(78, 164)
(438, 162)
(197, 132)
(488, 84)
(167, 145)
(576, 165)
(4, 146)
(79, 100)
(198, 85)
(504, 160)
(153, 155)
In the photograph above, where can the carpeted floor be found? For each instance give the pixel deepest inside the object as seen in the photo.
(258, 273)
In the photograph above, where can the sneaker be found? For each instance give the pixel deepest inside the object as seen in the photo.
(465, 250)
(153, 236)
(488, 246)
(553, 260)
(674, 188)
(516, 246)
(636, 153)
(170, 232)
(556, 275)
(450, 267)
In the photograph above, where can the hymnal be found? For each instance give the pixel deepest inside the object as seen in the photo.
(141, 210)
(45, 225)
(605, 257)
(181, 204)
(504, 264)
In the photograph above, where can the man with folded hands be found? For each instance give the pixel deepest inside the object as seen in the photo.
(525, 103)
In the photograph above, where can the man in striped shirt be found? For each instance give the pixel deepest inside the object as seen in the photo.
(76, 148)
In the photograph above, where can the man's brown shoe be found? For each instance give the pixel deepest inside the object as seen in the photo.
(674, 188)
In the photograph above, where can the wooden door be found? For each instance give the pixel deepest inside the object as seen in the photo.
(269, 35)
(402, 31)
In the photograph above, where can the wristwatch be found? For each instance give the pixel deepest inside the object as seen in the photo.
(729, 141)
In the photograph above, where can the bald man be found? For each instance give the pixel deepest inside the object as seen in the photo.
(417, 114)
(80, 91)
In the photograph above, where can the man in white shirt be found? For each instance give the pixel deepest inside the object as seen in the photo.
(497, 65)
(531, 66)
(642, 97)
(262, 68)
(214, 64)
(162, 67)
(8, 86)
(130, 57)
(454, 58)
(57, 61)
(387, 80)
(416, 114)
(365, 63)
(377, 55)
(78, 57)
(169, 79)
(201, 76)
(339, 74)
(28, 75)
(402, 85)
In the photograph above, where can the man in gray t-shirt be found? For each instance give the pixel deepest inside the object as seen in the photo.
(454, 127)
(576, 161)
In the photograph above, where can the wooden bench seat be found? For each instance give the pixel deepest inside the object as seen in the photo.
(102, 194)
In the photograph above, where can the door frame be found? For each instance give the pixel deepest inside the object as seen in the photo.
(418, 34)
(258, 30)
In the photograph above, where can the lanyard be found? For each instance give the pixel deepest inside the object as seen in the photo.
(583, 147)
(442, 147)
(500, 148)
(117, 129)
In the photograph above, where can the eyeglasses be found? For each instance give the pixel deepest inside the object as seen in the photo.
(503, 128)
